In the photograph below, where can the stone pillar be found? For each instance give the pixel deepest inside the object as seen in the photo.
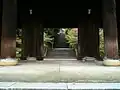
(9, 26)
(110, 32)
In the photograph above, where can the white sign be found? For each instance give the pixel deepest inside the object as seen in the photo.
(30, 11)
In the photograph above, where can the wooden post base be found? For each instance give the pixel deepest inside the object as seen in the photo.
(39, 58)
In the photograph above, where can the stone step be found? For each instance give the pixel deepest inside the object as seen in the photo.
(62, 49)
(58, 86)
(61, 53)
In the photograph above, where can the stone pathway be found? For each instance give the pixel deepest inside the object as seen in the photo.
(66, 71)
(60, 72)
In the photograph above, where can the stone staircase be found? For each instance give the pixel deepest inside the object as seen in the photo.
(61, 53)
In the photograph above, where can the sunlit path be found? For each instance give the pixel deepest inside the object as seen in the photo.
(66, 71)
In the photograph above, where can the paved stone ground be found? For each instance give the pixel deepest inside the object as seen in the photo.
(58, 86)
(62, 71)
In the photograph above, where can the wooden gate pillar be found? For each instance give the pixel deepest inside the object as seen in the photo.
(88, 40)
(110, 32)
(118, 22)
(0, 23)
(81, 41)
(92, 35)
(9, 26)
(27, 40)
(39, 42)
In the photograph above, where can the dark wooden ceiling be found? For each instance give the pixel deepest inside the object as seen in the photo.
(59, 14)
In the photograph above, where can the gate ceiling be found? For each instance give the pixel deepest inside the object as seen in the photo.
(58, 14)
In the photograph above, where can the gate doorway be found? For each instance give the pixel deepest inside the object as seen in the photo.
(64, 42)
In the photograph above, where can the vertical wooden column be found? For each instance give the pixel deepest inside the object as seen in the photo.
(35, 32)
(28, 41)
(0, 22)
(28, 35)
(79, 44)
(92, 38)
(110, 28)
(39, 42)
(81, 41)
(118, 22)
(88, 39)
(9, 25)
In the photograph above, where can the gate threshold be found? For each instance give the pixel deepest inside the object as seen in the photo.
(58, 86)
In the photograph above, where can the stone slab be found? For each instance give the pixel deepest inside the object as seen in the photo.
(4, 85)
(40, 86)
(58, 86)
(93, 86)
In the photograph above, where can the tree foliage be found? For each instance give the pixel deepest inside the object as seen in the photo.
(18, 43)
(48, 39)
(72, 37)
(101, 46)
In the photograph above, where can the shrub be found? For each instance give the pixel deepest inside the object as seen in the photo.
(18, 43)
(101, 46)
(47, 39)
(72, 37)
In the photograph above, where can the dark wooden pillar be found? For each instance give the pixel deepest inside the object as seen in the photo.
(92, 39)
(28, 26)
(79, 44)
(81, 41)
(88, 40)
(0, 22)
(33, 40)
(39, 42)
(110, 28)
(118, 22)
(35, 32)
(9, 25)
(28, 40)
